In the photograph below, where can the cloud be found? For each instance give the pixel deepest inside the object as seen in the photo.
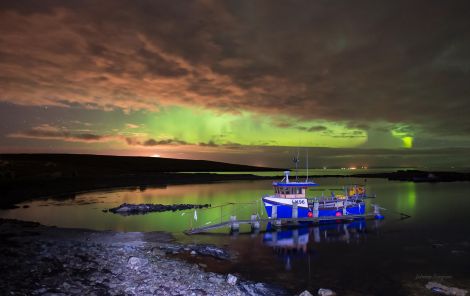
(47, 132)
(314, 128)
(309, 60)
(152, 142)
(208, 144)
(131, 125)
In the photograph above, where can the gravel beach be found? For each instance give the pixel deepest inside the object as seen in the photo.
(41, 260)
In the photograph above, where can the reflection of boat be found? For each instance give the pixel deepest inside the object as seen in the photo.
(298, 238)
(289, 195)
(292, 243)
(287, 239)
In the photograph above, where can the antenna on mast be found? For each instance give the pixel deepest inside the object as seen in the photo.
(306, 180)
(295, 159)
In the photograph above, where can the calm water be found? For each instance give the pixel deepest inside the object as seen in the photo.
(389, 257)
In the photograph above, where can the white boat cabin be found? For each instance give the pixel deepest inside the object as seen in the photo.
(287, 189)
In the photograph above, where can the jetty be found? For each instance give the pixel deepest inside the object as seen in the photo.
(255, 220)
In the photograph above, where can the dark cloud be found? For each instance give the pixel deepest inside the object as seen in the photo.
(133, 141)
(316, 128)
(46, 132)
(358, 63)
(152, 142)
(208, 144)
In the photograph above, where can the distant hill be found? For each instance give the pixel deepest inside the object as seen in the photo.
(25, 165)
(32, 176)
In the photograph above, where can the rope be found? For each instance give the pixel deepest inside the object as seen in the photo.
(242, 205)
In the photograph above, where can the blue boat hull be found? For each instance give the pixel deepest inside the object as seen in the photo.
(285, 211)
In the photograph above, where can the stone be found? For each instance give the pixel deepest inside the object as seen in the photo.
(158, 252)
(440, 288)
(306, 293)
(216, 280)
(122, 210)
(193, 252)
(135, 209)
(326, 292)
(231, 279)
(65, 285)
(136, 263)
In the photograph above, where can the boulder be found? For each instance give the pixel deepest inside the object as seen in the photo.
(305, 293)
(231, 279)
(158, 252)
(325, 292)
(439, 288)
(136, 263)
(216, 280)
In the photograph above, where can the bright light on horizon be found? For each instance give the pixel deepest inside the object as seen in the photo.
(155, 155)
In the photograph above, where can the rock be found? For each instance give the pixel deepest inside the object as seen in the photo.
(122, 210)
(65, 285)
(326, 292)
(439, 288)
(40, 291)
(135, 209)
(306, 293)
(136, 263)
(231, 279)
(158, 252)
(193, 252)
(216, 280)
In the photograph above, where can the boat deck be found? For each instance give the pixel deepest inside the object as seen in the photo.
(279, 221)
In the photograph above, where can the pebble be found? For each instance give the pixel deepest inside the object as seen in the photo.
(231, 279)
(325, 292)
(441, 289)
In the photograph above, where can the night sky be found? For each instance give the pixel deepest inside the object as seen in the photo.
(375, 83)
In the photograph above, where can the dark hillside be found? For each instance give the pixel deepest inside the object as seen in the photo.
(31, 165)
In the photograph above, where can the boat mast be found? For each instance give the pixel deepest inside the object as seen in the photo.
(306, 180)
(295, 159)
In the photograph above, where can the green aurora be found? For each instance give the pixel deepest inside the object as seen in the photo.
(243, 82)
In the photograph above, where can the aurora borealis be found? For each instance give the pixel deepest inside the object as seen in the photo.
(359, 83)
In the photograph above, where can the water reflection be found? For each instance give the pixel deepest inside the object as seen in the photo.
(302, 241)
(306, 258)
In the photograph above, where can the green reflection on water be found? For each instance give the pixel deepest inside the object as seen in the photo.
(411, 187)
(406, 197)
(86, 210)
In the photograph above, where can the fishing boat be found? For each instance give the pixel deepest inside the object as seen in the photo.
(289, 195)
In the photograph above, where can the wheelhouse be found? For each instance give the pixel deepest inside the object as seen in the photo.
(286, 189)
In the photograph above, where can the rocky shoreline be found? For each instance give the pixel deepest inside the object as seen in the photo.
(140, 209)
(41, 260)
